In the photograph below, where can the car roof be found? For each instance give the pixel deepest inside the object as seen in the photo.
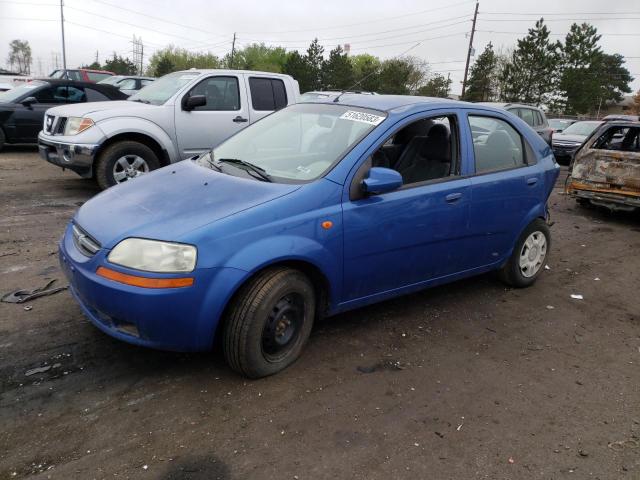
(59, 81)
(387, 103)
(508, 104)
(227, 71)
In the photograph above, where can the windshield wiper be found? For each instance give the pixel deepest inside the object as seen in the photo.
(141, 101)
(250, 167)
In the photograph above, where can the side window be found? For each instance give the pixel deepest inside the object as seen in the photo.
(96, 77)
(496, 144)
(69, 94)
(45, 95)
(144, 83)
(127, 84)
(619, 138)
(222, 93)
(95, 95)
(75, 75)
(527, 115)
(421, 151)
(538, 118)
(267, 94)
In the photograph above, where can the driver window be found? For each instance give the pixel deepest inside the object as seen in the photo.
(421, 151)
(222, 93)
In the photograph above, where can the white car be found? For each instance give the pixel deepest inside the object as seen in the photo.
(178, 116)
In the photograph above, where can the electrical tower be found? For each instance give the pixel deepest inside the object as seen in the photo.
(138, 53)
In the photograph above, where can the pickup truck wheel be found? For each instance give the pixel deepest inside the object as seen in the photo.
(269, 322)
(529, 256)
(124, 161)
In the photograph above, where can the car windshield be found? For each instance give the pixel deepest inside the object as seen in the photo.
(164, 88)
(581, 128)
(555, 123)
(111, 80)
(298, 143)
(14, 94)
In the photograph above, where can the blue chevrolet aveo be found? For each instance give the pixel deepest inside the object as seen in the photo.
(317, 209)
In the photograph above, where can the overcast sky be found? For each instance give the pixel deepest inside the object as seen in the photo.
(382, 28)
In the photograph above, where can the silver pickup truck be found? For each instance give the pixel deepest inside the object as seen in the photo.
(179, 115)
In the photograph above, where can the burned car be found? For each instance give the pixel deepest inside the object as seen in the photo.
(606, 169)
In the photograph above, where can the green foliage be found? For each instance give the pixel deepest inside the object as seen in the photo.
(481, 86)
(337, 71)
(19, 58)
(436, 86)
(164, 66)
(93, 66)
(400, 76)
(315, 61)
(366, 69)
(182, 59)
(120, 65)
(297, 66)
(531, 75)
(259, 57)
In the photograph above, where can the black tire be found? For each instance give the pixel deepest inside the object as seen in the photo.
(278, 296)
(511, 273)
(2, 139)
(104, 170)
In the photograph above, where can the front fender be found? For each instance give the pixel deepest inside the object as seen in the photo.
(290, 248)
(122, 125)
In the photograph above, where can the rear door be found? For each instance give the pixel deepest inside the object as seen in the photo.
(267, 94)
(506, 186)
(225, 113)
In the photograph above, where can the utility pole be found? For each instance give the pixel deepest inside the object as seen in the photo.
(233, 49)
(466, 67)
(64, 51)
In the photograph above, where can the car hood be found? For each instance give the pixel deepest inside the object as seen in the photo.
(170, 202)
(93, 110)
(568, 138)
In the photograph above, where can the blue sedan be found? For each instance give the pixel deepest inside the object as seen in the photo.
(317, 209)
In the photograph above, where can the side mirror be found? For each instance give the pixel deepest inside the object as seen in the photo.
(382, 180)
(193, 101)
(27, 102)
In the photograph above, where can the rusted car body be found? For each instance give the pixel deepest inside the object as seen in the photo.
(605, 170)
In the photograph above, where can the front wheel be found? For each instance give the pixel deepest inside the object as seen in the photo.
(269, 322)
(124, 161)
(529, 256)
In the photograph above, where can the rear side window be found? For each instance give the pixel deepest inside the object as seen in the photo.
(496, 144)
(96, 77)
(222, 93)
(95, 95)
(526, 114)
(267, 94)
(626, 139)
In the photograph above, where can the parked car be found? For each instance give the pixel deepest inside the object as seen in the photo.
(606, 169)
(22, 109)
(532, 116)
(5, 86)
(317, 209)
(128, 84)
(566, 143)
(81, 74)
(177, 116)
(559, 124)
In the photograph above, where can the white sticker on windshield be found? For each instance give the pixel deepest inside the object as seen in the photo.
(362, 117)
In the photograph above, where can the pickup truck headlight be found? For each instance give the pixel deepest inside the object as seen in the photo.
(75, 125)
(154, 256)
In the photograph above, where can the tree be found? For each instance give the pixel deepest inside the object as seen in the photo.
(120, 65)
(366, 71)
(164, 66)
(337, 71)
(19, 58)
(315, 60)
(258, 56)
(531, 76)
(183, 59)
(298, 68)
(436, 86)
(482, 84)
(635, 108)
(401, 76)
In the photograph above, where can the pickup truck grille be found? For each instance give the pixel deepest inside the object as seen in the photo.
(54, 125)
(83, 241)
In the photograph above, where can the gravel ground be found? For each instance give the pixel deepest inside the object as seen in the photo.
(469, 380)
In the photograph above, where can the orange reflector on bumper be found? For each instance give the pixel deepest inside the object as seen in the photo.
(144, 282)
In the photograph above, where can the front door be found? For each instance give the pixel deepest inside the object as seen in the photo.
(225, 113)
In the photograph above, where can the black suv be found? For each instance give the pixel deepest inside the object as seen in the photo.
(532, 116)
(22, 108)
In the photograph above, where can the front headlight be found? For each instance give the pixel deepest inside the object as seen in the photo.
(154, 255)
(75, 125)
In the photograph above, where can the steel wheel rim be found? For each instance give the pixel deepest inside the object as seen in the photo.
(128, 167)
(532, 254)
(283, 326)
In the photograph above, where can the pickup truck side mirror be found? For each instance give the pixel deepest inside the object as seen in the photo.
(193, 101)
(27, 102)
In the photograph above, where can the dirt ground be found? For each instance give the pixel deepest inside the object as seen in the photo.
(466, 381)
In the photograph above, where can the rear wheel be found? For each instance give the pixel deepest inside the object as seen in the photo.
(124, 161)
(529, 256)
(269, 322)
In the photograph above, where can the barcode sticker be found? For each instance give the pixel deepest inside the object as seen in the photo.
(356, 116)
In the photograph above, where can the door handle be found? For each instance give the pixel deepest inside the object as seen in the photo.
(532, 181)
(453, 197)
(240, 119)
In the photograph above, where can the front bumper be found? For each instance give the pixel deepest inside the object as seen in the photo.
(177, 319)
(564, 151)
(78, 157)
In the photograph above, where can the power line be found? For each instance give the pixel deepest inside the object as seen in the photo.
(405, 43)
(557, 13)
(559, 19)
(560, 34)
